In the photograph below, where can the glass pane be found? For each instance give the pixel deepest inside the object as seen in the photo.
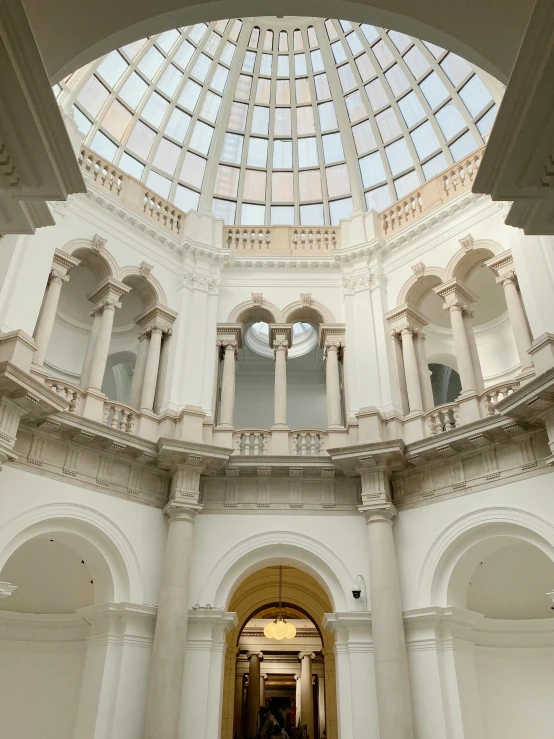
(282, 122)
(310, 185)
(93, 96)
(265, 66)
(83, 123)
(338, 52)
(133, 48)
(283, 92)
(484, 124)
(268, 41)
(312, 36)
(400, 40)
(202, 67)
(249, 61)
(186, 199)
(383, 54)
(170, 79)
(197, 32)
(411, 109)
(434, 166)
(158, 184)
(155, 109)
(303, 94)
(399, 156)
(388, 124)
(282, 154)
(232, 148)
(378, 199)
(104, 146)
(355, 107)
(220, 78)
(184, 54)
(455, 68)
(243, 87)
(312, 215)
(201, 137)
(354, 43)
(322, 90)
(189, 96)
(317, 61)
(282, 66)
(257, 153)
(235, 31)
(435, 50)
(227, 180)
(237, 116)
(260, 120)
(193, 169)
(116, 119)
(475, 95)
(433, 89)
(263, 90)
(365, 67)
(332, 148)
(210, 107)
(425, 140)
(151, 62)
(307, 153)
(283, 41)
(141, 139)
(282, 187)
(363, 137)
(337, 180)
(463, 146)
(450, 120)
(112, 67)
(372, 169)
(406, 184)
(224, 209)
(228, 53)
(167, 155)
(252, 215)
(370, 32)
(327, 117)
(305, 120)
(397, 80)
(340, 209)
(178, 124)
(377, 94)
(298, 42)
(346, 76)
(210, 47)
(131, 165)
(282, 216)
(254, 185)
(300, 65)
(416, 61)
(331, 30)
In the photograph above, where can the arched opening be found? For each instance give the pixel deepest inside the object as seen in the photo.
(118, 376)
(445, 383)
(291, 687)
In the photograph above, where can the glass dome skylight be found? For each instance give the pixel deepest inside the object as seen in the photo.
(280, 121)
(304, 339)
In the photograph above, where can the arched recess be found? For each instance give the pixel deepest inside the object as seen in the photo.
(97, 258)
(457, 551)
(147, 286)
(250, 312)
(278, 548)
(415, 290)
(464, 261)
(110, 556)
(118, 375)
(315, 313)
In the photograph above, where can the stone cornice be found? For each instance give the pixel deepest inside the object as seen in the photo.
(156, 315)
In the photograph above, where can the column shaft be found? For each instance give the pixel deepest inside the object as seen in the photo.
(307, 694)
(162, 372)
(91, 347)
(100, 356)
(298, 699)
(253, 700)
(332, 382)
(47, 316)
(424, 374)
(475, 361)
(391, 662)
(263, 678)
(227, 405)
(321, 704)
(280, 398)
(411, 369)
(239, 688)
(522, 335)
(138, 374)
(168, 655)
(151, 369)
(461, 347)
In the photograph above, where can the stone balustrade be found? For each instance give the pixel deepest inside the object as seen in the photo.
(251, 442)
(72, 394)
(119, 416)
(284, 240)
(442, 418)
(308, 443)
(496, 393)
(131, 193)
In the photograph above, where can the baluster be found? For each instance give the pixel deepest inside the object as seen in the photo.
(256, 444)
(295, 444)
(448, 421)
(115, 417)
(107, 409)
(123, 421)
(303, 444)
(433, 423)
(264, 442)
(312, 445)
(73, 402)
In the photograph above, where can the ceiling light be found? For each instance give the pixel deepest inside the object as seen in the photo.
(280, 628)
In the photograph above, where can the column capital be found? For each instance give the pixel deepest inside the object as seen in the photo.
(332, 335)
(381, 512)
(264, 676)
(63, 262)
(228, 345)
(58, 275)
(503, 266)
(281, 335)
(156, 317)
(297, 677)
(230, 332)
(456, 296)
(404, 317)
(301, 655)
(259, 655)
(108, 293)
(178, 511)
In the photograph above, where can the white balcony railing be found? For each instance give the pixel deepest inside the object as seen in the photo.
(71, 393)
(308, 443)
(494, 394)
(251, 442)
(284, 240)
(119, 416)
(442, 418)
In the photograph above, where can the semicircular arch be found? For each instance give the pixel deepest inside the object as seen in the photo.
(417, 287)
(147, 286)
(98, 259)
(315, 313)
(465, 261)
(250, 312)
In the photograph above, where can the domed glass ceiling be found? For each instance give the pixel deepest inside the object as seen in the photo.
(281, 121)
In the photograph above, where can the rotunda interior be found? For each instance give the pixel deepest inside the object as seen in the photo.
(276, 374)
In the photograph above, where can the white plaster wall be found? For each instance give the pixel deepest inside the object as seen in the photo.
(516, 688)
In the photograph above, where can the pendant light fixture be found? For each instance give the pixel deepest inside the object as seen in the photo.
(280, 629)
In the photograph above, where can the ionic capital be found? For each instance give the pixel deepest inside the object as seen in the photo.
(108, 293)
(228, 345)
(507, 278)
(280, 345)
(332, 336)
(59, 276)
(378, 512)
(456, 296)
(156, 317)
(302, 655)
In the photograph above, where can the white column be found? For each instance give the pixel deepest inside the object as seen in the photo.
(253, 700)
(298, 699)
(413, 384)
(475, 361)
(424, 373)
(168, 656)
(239, 690)
(321, 704)
(518, 319)
(461, 346)
(151, 369)
(263, 678)
(307, 693)
(162, 372)
(332, 382)
(91, 346)
(391, 663)
(102, 348)
(281, 352)
(138, 374)
(227, 405)
(48, 314)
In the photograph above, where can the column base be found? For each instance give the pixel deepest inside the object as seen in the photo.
(280, 441)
